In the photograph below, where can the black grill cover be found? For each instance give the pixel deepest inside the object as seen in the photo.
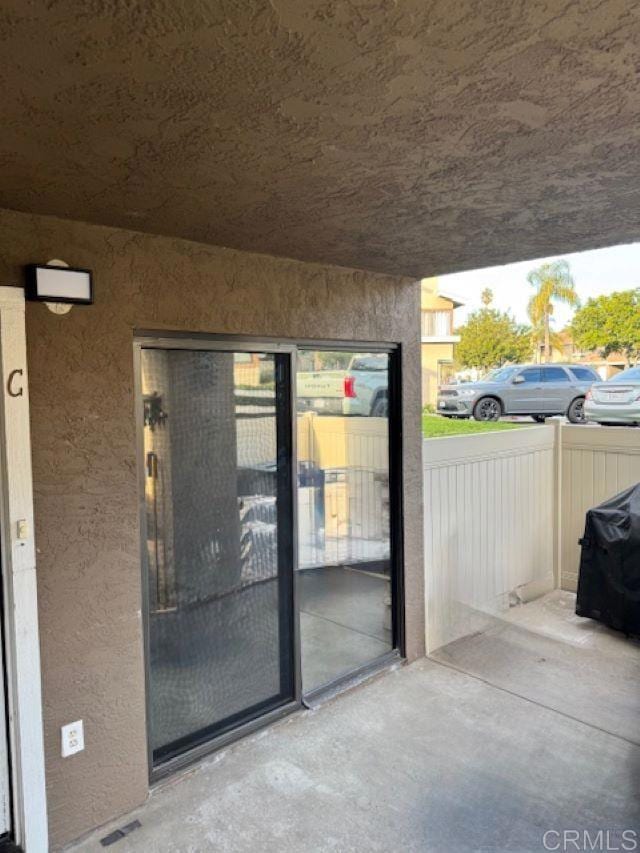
(609, 581)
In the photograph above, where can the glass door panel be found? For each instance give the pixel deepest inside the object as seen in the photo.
(217, 476)
(344, 546)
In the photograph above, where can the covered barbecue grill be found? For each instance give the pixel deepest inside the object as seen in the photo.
(609, 580)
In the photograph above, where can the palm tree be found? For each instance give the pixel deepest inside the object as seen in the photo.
(486, 297)
(553, 283)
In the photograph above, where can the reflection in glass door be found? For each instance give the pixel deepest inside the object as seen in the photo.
(217, 492)
(344, 546)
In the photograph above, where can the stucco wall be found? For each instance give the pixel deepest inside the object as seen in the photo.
(430, 356)
(86, 496)
(430, 300)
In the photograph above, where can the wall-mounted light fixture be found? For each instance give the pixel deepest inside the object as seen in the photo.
(54, 283)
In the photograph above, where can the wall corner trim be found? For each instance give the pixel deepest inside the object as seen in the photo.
(22, 648)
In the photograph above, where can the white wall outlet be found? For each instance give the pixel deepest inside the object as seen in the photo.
(72, 738)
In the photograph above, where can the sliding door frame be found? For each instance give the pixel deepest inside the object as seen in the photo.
(283, 422)
(162, 339)
(396, 560)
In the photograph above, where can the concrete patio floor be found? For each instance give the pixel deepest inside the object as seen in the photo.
(541, 733)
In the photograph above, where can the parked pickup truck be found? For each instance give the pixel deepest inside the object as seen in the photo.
(362, 389)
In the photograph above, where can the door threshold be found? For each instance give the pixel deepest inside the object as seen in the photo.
(311, 701)
(197, 753)
(322, 695)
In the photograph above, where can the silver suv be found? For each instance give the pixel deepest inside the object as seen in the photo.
(539, 390)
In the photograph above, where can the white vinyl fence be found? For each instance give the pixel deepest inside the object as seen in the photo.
(596, 464)
(489, 514)
(504, 512)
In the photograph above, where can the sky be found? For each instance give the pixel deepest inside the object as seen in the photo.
(594, 272)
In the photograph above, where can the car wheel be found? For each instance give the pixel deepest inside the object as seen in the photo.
(575, 412)
(539, 419)
(487, 409)
(380, 408)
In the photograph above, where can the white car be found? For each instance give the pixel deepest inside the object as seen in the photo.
(616, 401)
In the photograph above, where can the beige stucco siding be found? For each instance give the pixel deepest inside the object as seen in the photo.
(431, 355)
(84, 459)
(433, 302)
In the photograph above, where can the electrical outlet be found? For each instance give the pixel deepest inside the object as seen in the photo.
(72, 738)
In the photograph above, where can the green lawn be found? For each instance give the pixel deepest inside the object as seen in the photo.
(435, 426)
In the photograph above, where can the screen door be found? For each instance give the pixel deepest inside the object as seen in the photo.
(219, 562)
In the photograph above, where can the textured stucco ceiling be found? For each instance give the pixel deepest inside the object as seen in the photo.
(407, 136)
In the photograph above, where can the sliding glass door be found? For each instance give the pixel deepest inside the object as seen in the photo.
(242, 618)
(218, 541)
(344, 573)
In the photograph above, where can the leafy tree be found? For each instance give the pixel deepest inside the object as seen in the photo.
(323, 360)
(331, 360)
(610, 323)
(553, 283)
(491, 338)
(486, 297)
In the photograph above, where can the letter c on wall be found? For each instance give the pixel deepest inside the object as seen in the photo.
(12, 391)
